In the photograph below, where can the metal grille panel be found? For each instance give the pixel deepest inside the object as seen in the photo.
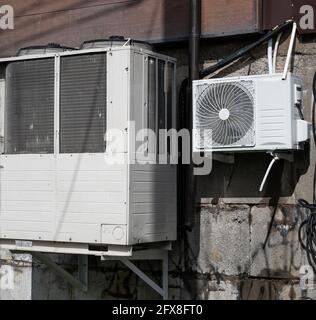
(225, 115)
(83, 103)
(29, 112)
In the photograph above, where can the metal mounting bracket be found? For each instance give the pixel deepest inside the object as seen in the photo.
(125, 254)
(81, 283)
(155, 254)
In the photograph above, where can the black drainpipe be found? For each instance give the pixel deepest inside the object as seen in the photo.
(194, 54)
(195, 36)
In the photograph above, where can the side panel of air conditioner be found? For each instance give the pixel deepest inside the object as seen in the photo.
(2, 105)
(301, 129)
(118, 96)
(152, 193)
(273, 113)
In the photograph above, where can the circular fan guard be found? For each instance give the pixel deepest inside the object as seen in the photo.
(227, 109)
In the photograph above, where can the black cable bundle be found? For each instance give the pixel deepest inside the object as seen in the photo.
(307, 230)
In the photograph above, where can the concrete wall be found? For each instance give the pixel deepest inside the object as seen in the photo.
(223, 256)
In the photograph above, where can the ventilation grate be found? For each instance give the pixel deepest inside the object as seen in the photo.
(29, 112)
(83, 103)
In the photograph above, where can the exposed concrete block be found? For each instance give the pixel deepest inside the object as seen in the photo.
(15, 276)
(216, 289)
(249, 201)
(259, 289)
(301, 48)
(256, 289)
(47, 286)
(282, 256)
(220, 243)
(195, 289)
(223, 290)
(294, 291)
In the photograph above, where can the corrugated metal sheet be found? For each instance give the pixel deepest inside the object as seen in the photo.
(72, 21)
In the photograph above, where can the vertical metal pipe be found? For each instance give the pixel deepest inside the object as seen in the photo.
(194, 68)
(195, 36)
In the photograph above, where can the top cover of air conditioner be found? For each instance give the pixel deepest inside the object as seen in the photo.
(250, 113)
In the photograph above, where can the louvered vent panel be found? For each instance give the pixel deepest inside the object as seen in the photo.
(29, 113)
(83, 103)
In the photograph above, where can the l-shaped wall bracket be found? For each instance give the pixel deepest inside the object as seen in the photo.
(125, 254)
(154, 254)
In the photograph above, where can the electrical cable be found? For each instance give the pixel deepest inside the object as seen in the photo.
(314, 113)
(273, 161)
(127, 42)
(290, 51)
(239, 53)
(300, 110)
(270, 56)
(270, 225)
(307, 230)
(275, 53)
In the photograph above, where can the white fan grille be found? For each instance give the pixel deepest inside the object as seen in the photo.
(225, 115)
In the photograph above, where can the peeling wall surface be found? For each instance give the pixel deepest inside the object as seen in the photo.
(227, 254)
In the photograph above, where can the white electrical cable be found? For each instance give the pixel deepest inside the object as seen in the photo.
(274, 160)
(270, 56)
(290, 51)
(276, 49)
(127, 42)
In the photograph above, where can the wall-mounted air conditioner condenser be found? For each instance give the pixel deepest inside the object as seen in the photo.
(251, 113)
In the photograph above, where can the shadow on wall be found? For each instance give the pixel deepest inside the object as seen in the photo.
(243, 178)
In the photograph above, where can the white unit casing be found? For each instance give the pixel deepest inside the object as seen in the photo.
(250, 113)
(59, 194)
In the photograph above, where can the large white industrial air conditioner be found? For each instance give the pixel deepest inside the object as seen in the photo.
(59, 187)
(252, 113)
